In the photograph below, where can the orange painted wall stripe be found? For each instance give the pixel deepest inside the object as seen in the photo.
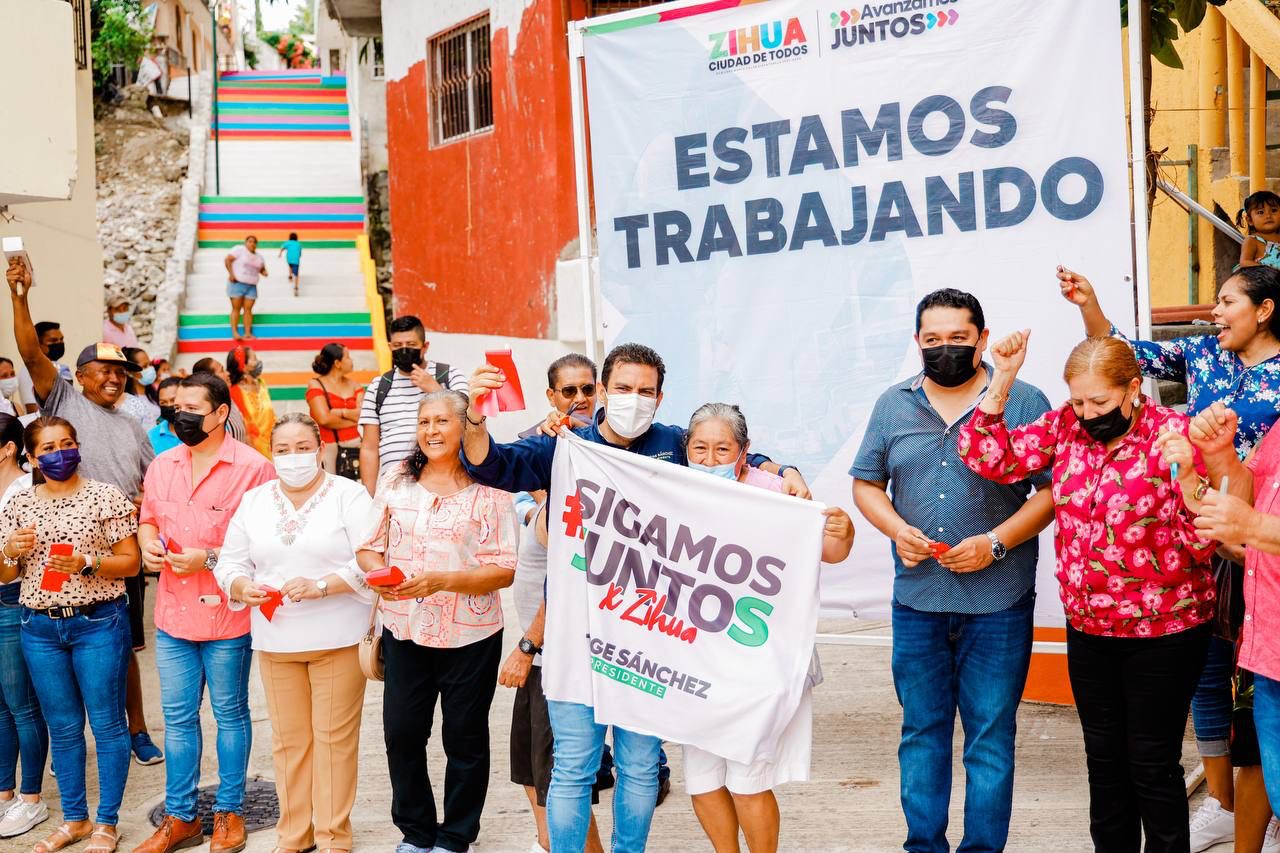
(1047, 681)
(286, 378)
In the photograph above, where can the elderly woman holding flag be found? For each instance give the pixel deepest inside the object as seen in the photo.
(730, 795)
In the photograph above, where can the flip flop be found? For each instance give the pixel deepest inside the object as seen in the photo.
(111, 834)
(51, 844)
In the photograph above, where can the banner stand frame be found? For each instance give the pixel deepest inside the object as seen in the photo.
(1139, 220)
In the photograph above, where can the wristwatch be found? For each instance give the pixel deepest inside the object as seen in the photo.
(87, 569)
(998, 551)
(323, 586)
(527, 646)
(210, 559)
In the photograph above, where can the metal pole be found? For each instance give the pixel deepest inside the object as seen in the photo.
(583, 188)
(217, 159)
(1193, 228)
(1138, 169)
(191, 91)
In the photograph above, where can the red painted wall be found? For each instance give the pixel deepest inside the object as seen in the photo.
(477, 224)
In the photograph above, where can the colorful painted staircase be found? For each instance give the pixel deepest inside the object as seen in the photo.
(269, 181)
(281, 105)
(321, 222)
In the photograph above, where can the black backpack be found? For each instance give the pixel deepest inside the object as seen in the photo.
(384, 385)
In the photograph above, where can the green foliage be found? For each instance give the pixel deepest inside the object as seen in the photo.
(304, 21)
(120, 33)
(1167, 17)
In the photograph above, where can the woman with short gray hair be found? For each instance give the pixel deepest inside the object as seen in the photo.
(730, 795)
(289, 552)
(454, 543)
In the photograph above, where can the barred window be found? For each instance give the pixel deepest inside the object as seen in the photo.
(78, 25)
(379, 64)
(608, 7)
(461, 89)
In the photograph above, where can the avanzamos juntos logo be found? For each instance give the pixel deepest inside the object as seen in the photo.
(873, 23)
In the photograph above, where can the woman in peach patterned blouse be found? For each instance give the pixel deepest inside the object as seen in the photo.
(455, 542)
(1133, 571)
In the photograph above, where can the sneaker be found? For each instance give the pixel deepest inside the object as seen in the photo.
(22, 818)
(406, 847)
(1210, 825)
(144, 751)
(1271, 841)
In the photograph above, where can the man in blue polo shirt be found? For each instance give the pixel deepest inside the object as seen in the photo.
(632, 390)
(962, 620)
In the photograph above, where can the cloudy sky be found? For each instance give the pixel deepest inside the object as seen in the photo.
(275, 16)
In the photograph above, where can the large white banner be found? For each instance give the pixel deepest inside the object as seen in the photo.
(679, 604)
(777, 184)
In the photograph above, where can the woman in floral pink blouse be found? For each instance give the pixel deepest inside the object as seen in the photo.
(455, 542)
(1134, 575)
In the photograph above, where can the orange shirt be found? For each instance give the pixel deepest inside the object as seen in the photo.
(198, 518)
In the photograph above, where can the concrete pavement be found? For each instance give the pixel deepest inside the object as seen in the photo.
(850, 804)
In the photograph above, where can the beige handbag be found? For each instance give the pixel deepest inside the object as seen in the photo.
(371, 646)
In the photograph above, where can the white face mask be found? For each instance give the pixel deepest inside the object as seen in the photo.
(630, 414)
(9, 387)
(296, 469)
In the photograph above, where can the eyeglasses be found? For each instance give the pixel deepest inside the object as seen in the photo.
(571, 391)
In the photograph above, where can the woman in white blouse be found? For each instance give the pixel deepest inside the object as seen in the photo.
(297, 536)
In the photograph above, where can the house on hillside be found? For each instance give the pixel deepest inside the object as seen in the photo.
(47, 176)
(479, 141)
(183, 40)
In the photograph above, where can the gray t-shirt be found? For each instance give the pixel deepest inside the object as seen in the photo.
(113, 446)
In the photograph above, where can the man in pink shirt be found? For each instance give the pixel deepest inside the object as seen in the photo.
(189, 496)
(244, 266)
(1247, 514)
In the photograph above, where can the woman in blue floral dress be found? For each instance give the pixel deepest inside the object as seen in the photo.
(1239, 367)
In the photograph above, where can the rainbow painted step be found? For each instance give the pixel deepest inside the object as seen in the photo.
(282, 106)
(293, 386)
(321, 222)
(210, 333)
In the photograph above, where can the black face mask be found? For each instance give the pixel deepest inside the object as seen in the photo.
(406, 359)
(167, 413)
(57, 351)
(950, 365)
(1108, 426)
(189, 428)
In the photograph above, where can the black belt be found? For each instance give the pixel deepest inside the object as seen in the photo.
(66, 612)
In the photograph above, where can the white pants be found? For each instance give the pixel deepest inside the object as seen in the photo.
(704, 772)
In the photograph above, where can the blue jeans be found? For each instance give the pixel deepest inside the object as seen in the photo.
(1266, 716)
(22, 728)
(976, 664)
(1212, 705)
(80, 664)
(185, 667)
(579, 740)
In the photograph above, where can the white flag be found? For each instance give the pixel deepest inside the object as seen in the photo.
(679, 604)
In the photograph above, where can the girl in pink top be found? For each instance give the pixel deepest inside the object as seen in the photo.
(1133, 570)
(455, 542)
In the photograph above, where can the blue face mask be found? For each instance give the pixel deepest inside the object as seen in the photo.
(148, 375)
(59, 465)
(728, 470)
(122, 317)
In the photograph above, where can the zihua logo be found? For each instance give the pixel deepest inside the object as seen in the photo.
(759, 44)
(877, 22)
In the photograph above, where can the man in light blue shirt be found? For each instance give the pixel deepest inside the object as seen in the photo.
(962, 615)
(161, 435)
(292, 251)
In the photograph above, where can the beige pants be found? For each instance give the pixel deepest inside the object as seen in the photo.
(315, 700)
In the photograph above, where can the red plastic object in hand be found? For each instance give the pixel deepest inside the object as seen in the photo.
(508, 398)
(53, 580)
(173, 547)
(386, 576)
(274, 600)
(939, 548)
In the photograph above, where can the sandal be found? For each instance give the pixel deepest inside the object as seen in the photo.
(108, 832)
(58, 839)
